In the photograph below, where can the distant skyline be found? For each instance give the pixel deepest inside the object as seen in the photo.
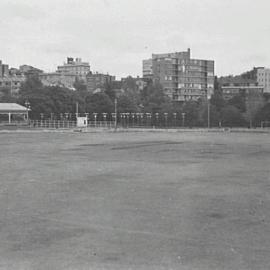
(114, 36)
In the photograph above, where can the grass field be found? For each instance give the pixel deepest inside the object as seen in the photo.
(134, 201)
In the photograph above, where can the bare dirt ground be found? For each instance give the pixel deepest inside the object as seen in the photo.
(134, 201)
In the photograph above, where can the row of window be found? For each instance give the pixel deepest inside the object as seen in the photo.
(176, 61)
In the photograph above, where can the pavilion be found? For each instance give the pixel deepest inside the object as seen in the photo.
(13, 109)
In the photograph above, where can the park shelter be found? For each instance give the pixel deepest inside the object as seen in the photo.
(10, 109)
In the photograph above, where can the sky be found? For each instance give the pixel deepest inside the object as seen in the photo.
(114, 36)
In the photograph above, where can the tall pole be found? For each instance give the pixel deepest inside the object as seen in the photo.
(115, 111)
(208, 111)
(183, 119)
(77, 109)
(27, 105)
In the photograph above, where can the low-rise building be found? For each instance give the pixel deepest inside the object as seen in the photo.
(67, 74)
(28, 70)
(97, 81)
(248, 90)
(58, 79)
(263, 78)
(10, 79)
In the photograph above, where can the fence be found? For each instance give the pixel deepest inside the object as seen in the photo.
(69, 124)
(122, 122)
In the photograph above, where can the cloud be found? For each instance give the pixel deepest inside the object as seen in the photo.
(20, 10)
(115, 35)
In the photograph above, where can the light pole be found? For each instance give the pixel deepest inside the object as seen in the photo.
(142, 114)
(133, 116)
(127, 116)
(166, 118)
(41, 119)
(115, 111)
(86, 115)
(27, 105)
(183, 119)
(105, 118)
(174, 117)
(208, 110)
(77, 109)
(95, 117)
(138, 119)
(156, 114)
(148, 117)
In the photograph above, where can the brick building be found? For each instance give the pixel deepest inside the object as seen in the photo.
(97, 81)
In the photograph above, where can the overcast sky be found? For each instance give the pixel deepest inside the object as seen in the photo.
(115, 35)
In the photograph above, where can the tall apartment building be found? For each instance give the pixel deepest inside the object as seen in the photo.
(263, 78)
(182, 78)
(147, 69)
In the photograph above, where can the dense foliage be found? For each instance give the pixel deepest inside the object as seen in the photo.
(56, 101)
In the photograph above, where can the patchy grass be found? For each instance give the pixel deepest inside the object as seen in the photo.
(134, 201)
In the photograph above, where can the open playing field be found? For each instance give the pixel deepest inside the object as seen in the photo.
(140, 200)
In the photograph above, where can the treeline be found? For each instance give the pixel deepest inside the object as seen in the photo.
(56, 100)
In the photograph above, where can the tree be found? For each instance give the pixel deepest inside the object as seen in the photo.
(109, 90)
(191, 109)
(231, 117)
(215, 115)
(263, 114)
(254, 103)
(32, 85)
(218, 101)
(153, 98)
(125, 103)
(238, 101)
(48, 99)
(80, 86)
(99, 103)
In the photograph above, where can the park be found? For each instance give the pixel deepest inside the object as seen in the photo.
(134, 200)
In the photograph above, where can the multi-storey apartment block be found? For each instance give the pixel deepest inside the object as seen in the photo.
(147, 69)
(75, 67)
(263, 78)
(182, 78)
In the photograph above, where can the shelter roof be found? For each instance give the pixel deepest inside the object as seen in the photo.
(11, 107)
